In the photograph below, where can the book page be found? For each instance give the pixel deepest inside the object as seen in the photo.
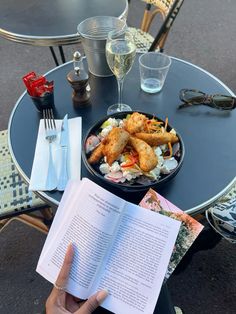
(89, 222)
(70, 190)
(189, 229)
(134, 270)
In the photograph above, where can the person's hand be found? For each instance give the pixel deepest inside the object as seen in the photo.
(60, 302)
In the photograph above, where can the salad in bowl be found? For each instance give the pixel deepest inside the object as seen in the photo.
(133, 150)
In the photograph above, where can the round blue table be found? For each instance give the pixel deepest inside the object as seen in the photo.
(209, 167)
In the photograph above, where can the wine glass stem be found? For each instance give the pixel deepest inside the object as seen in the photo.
(120, 90)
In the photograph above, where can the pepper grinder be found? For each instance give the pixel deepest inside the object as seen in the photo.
(78, 78)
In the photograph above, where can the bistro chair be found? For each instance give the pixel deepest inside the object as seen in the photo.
(15, 198)
(167, 10)
(221, 216)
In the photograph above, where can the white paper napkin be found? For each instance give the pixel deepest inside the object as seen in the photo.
(38, 177)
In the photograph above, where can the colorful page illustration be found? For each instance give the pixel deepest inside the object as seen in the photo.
(189, 230)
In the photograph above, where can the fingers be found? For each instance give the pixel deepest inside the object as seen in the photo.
(93, 302)
(65, 270)
(72, 305)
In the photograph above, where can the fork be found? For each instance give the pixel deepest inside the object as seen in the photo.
(50, 135)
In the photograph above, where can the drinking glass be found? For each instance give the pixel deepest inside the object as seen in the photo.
(153, 67)
(120, 54)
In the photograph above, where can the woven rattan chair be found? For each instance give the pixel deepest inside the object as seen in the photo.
(221, 216)
(15, 198)
(167, 10)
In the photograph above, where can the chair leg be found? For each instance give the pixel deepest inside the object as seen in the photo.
(47, 214)
(145, 21)
(152, 16)
(34, 222)
(162, 41)
(149, 15)
(3, 223)
(41, 223)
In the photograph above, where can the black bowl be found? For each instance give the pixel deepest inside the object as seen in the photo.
(127, 186)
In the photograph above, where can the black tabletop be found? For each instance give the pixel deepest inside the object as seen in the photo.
(43, 22)
(209, 165)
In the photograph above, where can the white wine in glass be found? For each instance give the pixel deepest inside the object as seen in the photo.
(120, 54)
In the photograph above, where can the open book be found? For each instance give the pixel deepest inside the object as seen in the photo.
(118, 246)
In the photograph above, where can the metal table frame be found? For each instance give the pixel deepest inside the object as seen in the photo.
(50, 41)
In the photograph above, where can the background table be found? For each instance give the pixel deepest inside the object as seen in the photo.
(52, 23)
(209, 166)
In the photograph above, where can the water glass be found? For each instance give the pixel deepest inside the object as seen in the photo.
(153, 67)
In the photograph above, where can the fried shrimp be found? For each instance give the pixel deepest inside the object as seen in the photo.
(136, 123)
(156, 139)
(114, 144)
(96, 155)
(147, 157)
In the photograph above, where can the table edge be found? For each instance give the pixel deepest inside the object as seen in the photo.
(191, 211)
(48, 41)
(40, 40)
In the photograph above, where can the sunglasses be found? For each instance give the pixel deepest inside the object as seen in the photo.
(191, 97)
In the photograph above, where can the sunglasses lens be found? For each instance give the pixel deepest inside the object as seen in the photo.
(193, 96)
(224, 102)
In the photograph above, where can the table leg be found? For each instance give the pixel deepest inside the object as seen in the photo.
(54, 55)
(63, 59)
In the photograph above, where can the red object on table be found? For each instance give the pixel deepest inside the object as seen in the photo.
(37, 86)
(27, 79)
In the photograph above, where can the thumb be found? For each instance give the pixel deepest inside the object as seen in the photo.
(93, 302)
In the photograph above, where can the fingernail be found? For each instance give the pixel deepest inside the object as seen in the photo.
(101, 296)
(71, 244)
(70, 251)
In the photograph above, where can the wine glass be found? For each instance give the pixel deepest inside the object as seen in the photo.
(120, 54)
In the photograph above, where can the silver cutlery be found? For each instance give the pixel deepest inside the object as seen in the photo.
(63, 176)
(50, 135)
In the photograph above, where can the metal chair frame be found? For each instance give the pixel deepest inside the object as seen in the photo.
(161, 36)
(162, 8)
(167, 10)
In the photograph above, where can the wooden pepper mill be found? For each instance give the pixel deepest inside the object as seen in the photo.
(78, 78)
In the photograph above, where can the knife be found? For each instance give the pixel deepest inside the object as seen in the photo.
(63, 176)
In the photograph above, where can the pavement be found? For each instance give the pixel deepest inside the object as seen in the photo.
(203, 34)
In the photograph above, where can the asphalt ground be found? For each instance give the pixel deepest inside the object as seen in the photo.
(203, 34)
